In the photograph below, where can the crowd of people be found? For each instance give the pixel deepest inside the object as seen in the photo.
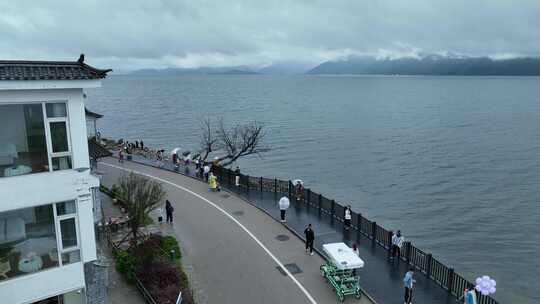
(206, 171)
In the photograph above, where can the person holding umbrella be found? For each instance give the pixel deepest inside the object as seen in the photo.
(283, 206)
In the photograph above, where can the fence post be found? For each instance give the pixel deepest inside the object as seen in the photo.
(261, 184)
(359, 224)
(429, 256)
(332, 209)
(408, 254)
(290, 189)
(275, 185)
(374, 231)
(450, 279)
(320, 202)
(247, 184)
(308, 197)
(390, 234)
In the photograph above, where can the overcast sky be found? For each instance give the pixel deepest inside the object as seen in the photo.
(134, 34)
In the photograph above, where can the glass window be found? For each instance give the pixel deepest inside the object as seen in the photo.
(71, 257)
(27, 241)
(59, 137)
(68, 233)
(23, 147)
(56, 110)
(65, 208)
(61, 163)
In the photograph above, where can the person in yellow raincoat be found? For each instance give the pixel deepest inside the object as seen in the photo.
(212, 182)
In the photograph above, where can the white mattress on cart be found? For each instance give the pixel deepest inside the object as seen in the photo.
(342, 256)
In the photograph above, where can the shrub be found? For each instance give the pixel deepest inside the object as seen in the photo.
(161, 280)
(125, 264)
(150, 261)
(147, 251)
(170, 243)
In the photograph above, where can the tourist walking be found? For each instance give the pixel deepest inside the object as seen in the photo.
(201, 172)
(283, 206)
(121, 156)
(469, 296)
(355, 249)
(408, 283)
(357, 252)
(310, 237)
(212, 182)
(299, 191)
(159, 158)
(347, 216)
(142, 145)
(237, 176)
(397, 243)
(169, 211)
(206, 170)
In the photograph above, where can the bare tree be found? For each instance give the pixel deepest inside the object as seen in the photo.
(141, 195)
(208, 138)
(240, 140)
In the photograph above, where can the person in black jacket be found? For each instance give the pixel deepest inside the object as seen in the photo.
(169, 210)
(310, 237)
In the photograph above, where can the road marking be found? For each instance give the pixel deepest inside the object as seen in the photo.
(302, 288)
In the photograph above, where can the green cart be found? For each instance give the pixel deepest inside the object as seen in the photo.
(339, 270)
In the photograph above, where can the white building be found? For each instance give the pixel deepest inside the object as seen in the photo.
(46, 189)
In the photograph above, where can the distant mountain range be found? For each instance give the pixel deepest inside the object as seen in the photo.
(282, 68)
(239, 70)
(427, 65)
(431, 65)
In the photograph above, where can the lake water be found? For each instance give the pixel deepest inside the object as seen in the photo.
(454, 162)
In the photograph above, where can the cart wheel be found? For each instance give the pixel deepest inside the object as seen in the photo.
(358, 293)
(341, 297)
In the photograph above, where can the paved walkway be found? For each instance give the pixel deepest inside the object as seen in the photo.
(232, 245)
(118, 289)
(380, 278)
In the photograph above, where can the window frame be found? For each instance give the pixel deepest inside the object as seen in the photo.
(57, 219)
(48, 136)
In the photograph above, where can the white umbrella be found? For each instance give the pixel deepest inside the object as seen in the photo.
(297, 181)
(176, 150)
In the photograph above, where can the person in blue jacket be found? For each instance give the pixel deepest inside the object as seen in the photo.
(408, 283)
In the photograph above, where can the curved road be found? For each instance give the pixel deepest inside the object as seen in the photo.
(232, 245)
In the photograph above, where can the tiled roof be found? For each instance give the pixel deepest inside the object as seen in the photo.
(92, 114)
(49, 70)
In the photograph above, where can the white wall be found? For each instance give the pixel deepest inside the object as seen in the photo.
(86, 228)
(42, 285)
(77, 126)
(44, 188)
(50, 187)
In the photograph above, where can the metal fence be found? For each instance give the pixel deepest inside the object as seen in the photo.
(423, 261)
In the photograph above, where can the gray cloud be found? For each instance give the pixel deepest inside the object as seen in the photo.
(142, 33)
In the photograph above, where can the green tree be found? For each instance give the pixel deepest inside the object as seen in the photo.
(141, 195)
